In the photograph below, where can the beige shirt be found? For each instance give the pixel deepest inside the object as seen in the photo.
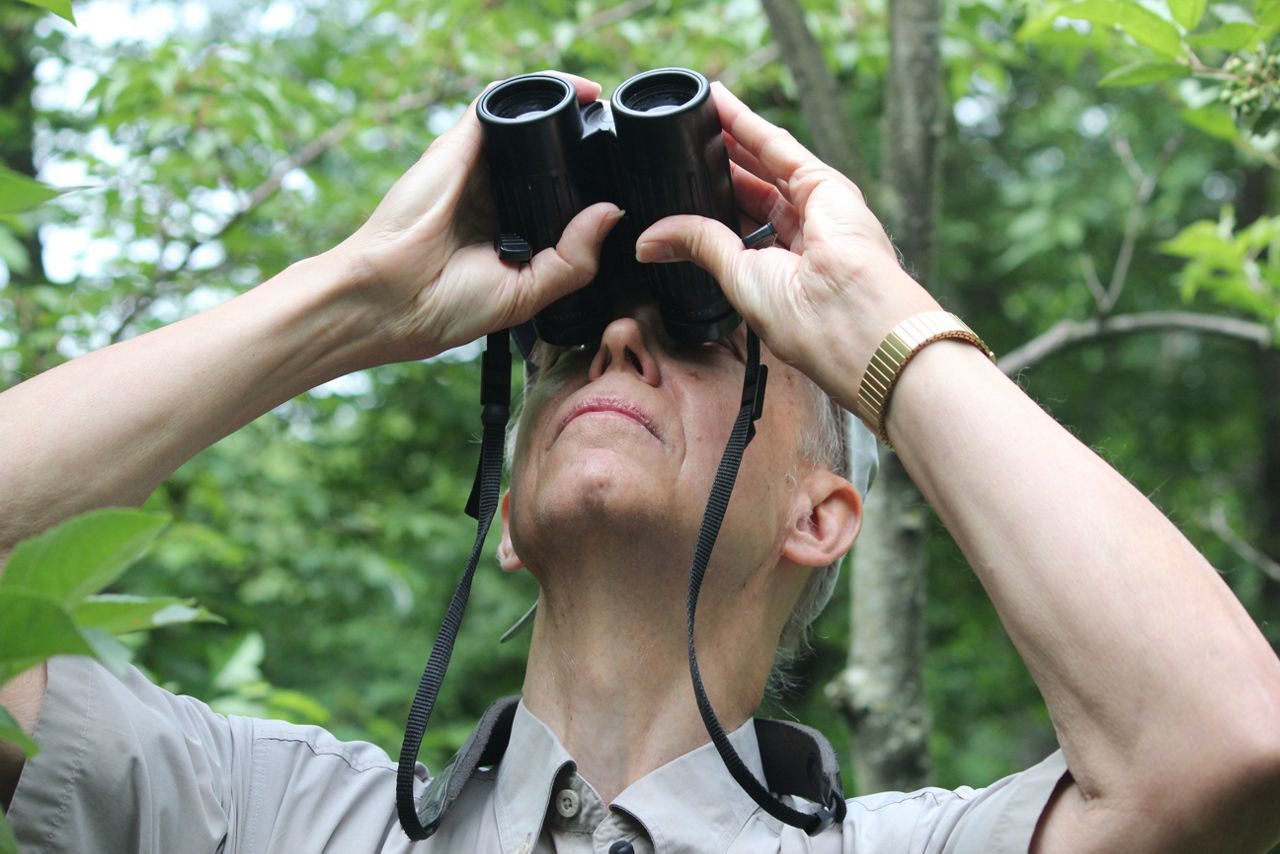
(127, 766)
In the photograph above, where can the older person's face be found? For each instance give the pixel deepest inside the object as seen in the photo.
(623, 440)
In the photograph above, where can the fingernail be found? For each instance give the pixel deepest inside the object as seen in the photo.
(652, 251)
(610, 220)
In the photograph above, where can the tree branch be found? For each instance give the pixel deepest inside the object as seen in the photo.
(1219, 525)
(1073, 333)
(1144, 188)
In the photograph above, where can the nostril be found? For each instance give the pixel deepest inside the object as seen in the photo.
(633, 359)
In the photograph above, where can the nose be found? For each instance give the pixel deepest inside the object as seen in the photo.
(624, 346)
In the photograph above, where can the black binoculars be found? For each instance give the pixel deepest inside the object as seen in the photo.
(656, 150)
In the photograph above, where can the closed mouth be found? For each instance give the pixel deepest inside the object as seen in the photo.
(610, 404)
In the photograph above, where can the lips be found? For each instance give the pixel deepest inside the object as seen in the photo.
(610, 404)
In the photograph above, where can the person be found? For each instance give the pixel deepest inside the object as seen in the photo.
(1164, 695)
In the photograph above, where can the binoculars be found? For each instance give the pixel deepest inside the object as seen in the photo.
(656, 150)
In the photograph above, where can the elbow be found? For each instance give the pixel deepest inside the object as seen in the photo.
(1229, 799)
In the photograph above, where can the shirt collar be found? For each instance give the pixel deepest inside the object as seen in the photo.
(689, 803)
(526, 776)
(692, 803)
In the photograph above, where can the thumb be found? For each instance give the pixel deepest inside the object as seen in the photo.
(709, 243)
(574, 261)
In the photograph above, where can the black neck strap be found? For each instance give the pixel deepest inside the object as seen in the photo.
(495, 398)
(496, 401)
(832, 808)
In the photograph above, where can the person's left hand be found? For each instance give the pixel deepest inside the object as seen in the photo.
(824, 297)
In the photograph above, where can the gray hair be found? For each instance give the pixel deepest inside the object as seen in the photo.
(841, 443)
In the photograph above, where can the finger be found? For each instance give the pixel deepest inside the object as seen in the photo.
(588, 90)
(745, 159)
(776, 150)
(709, 243)
(567, 266)
(763, 202)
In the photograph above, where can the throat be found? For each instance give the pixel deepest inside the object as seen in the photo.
(611, 679)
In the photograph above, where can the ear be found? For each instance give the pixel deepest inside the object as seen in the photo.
(507, 557)
(827, 521)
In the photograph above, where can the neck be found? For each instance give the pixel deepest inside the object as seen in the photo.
(608, 666)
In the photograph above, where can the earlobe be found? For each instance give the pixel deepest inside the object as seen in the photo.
(507, 557)
(827, 531)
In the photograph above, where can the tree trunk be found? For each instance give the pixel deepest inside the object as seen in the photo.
(1254, 202)
(17, 121)
(821, 103)
(882, 691)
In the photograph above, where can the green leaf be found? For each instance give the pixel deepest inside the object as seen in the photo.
(8, 845)
(242, 664)
(1143, 26)
(120, 614)
(108, 649)
(12, 253)
(1269, 16)
(1229, 37)
(82, 555)
(61, 8)
(1138, 73)
(1198, 239)
(19, 193)
(1213, 119)
(1187, 12)
(33, 628)
(12, 732)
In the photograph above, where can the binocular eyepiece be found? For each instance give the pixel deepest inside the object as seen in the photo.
(656, 150)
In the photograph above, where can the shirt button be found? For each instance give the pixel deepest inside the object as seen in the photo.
(567, 802)
(622, 846)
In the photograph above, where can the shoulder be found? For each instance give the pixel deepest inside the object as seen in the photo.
(1001, 817)
(126, 765)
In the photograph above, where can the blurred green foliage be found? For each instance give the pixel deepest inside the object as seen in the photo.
(330, 532)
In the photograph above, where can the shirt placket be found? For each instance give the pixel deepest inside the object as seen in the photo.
(580, 823)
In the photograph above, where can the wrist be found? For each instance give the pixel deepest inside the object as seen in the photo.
(365, 324)
(890, 299)
(934, 390)
(317, 304)
(895, 354)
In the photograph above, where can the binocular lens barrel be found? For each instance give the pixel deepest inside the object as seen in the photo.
(675, 163)
(531, 127)
(532, 135)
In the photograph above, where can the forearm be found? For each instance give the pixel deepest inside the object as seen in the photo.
(1150, 667)
(107, 428)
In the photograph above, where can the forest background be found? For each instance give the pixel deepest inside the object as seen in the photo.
(1090, 184)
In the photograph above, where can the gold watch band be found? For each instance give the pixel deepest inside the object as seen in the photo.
(897, 349)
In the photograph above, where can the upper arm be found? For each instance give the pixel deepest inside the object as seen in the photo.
(22, 698)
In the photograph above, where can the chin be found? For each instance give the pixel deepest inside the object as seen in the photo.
(602, 498)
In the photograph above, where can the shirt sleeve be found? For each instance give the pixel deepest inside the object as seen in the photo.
(998, 819)
(127, 766)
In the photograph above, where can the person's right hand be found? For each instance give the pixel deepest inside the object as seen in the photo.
(425, 262)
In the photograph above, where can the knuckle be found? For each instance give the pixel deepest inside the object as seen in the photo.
(777, 138)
